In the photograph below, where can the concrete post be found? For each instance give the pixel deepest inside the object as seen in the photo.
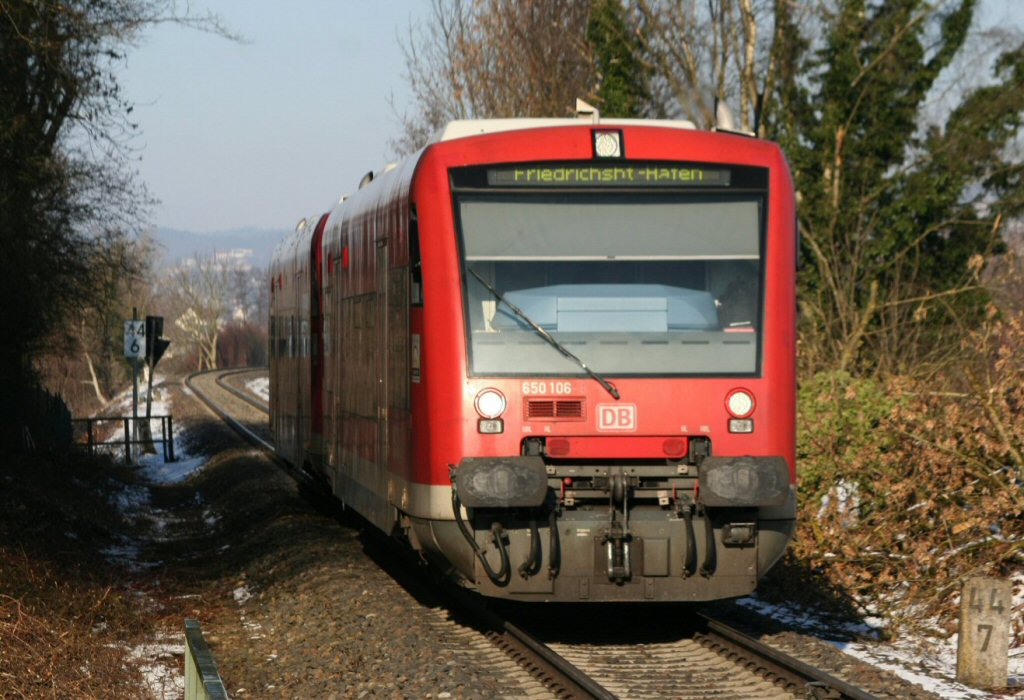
(984, 639)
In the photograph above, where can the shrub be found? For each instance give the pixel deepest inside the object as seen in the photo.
(910, 487)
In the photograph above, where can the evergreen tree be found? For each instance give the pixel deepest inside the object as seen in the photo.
(895, 214)
(622, 77)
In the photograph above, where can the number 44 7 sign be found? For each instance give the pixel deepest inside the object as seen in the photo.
(135, 338)
(984, 633)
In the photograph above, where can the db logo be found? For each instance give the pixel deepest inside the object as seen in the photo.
(616, 416)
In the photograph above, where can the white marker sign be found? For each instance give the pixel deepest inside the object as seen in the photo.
(135, 338)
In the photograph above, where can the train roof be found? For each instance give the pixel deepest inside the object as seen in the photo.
(463, 128)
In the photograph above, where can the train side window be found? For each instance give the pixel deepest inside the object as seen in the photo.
(415, 263)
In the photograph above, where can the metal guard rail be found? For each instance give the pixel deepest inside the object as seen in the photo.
(202, 679)
(128, 441)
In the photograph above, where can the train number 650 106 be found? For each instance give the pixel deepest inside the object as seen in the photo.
(547, 388)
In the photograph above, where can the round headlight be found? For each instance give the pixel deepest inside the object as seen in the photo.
(739, 403)
(490, 403)
(606, 144)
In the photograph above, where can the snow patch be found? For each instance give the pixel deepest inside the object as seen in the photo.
(152, 466)
(128, 554)
(158, 662)
(846, 496)
(260, 387)
(925, 661)
(156, 470)
(241, 594)
(134, 501)
(132, 498)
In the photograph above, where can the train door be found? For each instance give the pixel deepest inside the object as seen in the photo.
(383, 515)
(382, 354)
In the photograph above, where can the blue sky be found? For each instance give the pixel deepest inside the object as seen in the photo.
(265, 132)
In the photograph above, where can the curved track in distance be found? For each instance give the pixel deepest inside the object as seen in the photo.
(205, 386)
(256, 402)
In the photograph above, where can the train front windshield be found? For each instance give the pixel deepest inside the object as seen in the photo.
(631, 283)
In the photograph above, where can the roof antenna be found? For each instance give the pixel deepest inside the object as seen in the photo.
(758, 107)
(367, 179)
(724, 119)
(587, 111)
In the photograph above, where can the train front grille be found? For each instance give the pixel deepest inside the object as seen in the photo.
(554, 409)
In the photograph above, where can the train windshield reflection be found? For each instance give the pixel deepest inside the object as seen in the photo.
(633, 284)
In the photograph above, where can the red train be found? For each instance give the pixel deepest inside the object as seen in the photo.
(557, 356)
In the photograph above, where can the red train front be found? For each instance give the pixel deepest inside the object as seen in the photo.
(558, 357)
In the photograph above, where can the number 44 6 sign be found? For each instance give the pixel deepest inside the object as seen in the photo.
(135, 338)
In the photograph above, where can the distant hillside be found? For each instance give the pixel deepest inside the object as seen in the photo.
(175, 246)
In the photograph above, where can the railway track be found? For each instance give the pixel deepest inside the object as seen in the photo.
(208, 384)
(256, 402)
(698, 659)
(680, 652)
(703, 658)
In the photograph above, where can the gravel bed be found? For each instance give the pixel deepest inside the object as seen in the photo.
(305, 610)
(241, 380)
(298, 601)
(821, 654)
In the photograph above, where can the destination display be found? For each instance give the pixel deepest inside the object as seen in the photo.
(608, 175)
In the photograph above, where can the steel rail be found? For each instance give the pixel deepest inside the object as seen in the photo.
(788, 670)
(243, 395)
(552, 669)
(545, 663)
(236, 425)
(547, 666)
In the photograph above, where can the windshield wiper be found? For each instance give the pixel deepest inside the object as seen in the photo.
(608, 386)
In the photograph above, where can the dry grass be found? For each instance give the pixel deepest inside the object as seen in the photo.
(66, 619)
(60, 644)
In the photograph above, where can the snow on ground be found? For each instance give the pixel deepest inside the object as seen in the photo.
(241, 594)
(926, 661)
(157, 659)
(260, 387)
(154, 468)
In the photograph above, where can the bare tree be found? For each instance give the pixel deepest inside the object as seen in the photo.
(700, 52)
(258, 297)
(496, 58)
(121, 272)
(200, 288)
(247, 294)
(68, 186)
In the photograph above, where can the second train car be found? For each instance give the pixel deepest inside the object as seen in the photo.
(557, 356)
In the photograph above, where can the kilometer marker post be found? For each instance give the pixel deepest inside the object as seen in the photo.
(983, 641)
(135, 394)
(134, 347)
